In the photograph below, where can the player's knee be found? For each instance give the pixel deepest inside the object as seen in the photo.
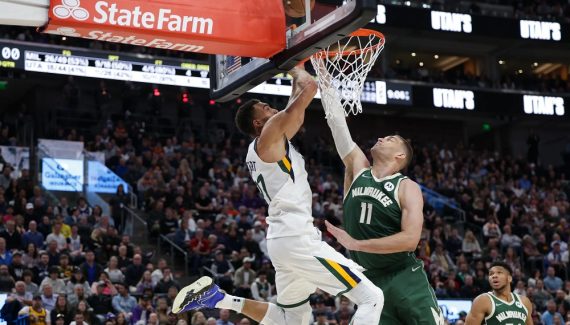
(275, 315)
(366, 293)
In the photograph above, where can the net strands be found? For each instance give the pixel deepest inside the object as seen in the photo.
(344, 65)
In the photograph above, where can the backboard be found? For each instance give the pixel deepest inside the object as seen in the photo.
(328, 22)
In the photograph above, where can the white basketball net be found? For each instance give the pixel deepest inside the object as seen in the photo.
(343, 66)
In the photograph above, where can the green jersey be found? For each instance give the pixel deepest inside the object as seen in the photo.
(506, 313)
(372, 210)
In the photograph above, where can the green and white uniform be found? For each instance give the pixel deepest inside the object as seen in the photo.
(506, 313)
(372, 210)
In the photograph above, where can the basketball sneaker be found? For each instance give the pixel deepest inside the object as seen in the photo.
(203, 293)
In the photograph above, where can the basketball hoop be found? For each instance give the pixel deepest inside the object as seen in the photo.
(344, 65)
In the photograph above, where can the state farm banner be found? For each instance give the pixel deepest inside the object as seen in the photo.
(250, 28)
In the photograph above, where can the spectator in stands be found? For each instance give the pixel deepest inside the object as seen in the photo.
(63, 209)
(157, 273)
(243, 278)
(5, 255)
(7, 283)
(222, 271)
(491, 229)
(552, 283)
(79, 294)
(20, 294)
(61, 308)
(45, 226)
(200, 248)
(91, 270)
(31, 287)
(57, 236)
(83, 309)
(72, 218)
(49, 298)
(115, 274)
(454, 243)
(78, 278)
(57, 284)
(11, 236)
(123, 302)
(261, 289)
(144, 284)
(37, 313)
(79, 319)
(135, 271)
(162, 311)
(168, 223)
(5, 177)
(74, 246)
(166, 282)
(101, 303)
(554, 257)
(17, 268)
(508, 239)
(470, 245)
(108, 287)
(42, 269)
(441, 261)
(32, 236)
(550, 313)
(224, 318)
(141, 312)
(84, 209)
(53, 253)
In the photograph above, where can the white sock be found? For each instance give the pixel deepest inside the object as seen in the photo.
(231, 302)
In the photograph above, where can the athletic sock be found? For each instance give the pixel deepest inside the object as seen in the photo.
(231, 302)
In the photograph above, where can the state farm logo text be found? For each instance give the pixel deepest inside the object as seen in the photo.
(110, 13)
(70, 8)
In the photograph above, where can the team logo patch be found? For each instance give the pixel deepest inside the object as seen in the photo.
(518, 304)
(389, 187)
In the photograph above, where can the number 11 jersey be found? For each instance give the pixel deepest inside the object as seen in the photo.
(286, 190)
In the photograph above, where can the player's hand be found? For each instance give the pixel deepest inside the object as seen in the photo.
(342, 236)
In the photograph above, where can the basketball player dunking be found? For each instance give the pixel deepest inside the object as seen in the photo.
(302, 261)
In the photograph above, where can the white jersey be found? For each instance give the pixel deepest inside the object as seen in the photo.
(285, 188)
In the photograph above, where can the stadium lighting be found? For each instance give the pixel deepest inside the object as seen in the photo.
(413, 53)
(436, 56)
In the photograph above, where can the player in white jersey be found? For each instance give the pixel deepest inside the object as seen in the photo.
(303, 262)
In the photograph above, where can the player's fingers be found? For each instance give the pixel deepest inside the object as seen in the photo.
(332, 229)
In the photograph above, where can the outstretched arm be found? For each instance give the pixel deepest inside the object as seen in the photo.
(353, 158)
(411, 202)
(286, 123)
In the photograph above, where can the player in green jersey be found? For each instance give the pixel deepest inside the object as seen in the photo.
(501, 306)
(383, 218)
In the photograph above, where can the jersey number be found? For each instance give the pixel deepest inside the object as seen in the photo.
(365, 213)
(261, 186)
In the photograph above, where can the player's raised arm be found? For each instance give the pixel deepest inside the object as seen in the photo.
(479, 310)
(352, 156)
(286, 123)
